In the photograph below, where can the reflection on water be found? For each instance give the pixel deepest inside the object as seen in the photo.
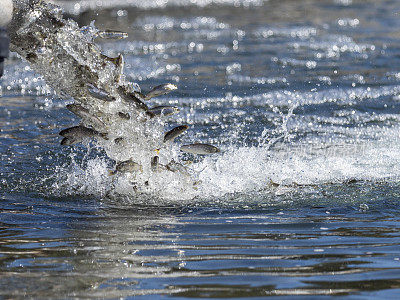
(82, 248)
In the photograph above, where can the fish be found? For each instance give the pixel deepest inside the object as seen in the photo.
(112, 34)
(69, 141)
(78, 68)
(198, 148)
(160, 90)
(173, 133)
(79, 133)
(133, 98)
(127, 166)
(164, 110)
(123, 115)
(155, 161)
(84, 114)
(174, 166)
(99, 94)
(155, 164)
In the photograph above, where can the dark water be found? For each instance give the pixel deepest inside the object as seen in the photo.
(303, 99)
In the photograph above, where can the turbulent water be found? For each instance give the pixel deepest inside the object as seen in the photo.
(302, 97)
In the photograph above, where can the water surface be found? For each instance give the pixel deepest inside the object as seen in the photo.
(303, 99)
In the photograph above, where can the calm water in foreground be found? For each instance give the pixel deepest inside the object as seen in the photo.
(303, 97)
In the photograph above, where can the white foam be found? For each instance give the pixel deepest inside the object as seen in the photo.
(244, 170)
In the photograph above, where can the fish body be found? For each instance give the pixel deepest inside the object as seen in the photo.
(79, 133)
(160, 90)
(174, 166)
(155, 161)
(133, 98)
(128, 166)
(164, 110)
(69, 141)
(99, 94)
(175, 132)
(199, 149)
(84, 114)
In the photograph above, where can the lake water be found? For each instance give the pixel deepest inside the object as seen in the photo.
(302, 97)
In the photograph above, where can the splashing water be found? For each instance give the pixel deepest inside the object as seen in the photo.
(72, 64)
(277, 154)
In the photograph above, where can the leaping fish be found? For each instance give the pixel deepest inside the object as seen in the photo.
(175, 132)
(198, 148)
(99, 94)
(155, 164)
(127, 166)
(164, 110)
(160, 90)
(174, 166)
(84, 114)
(133, 98)
(77, 134)
(86, 75)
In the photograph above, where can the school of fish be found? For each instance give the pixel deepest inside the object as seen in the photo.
(74, 66)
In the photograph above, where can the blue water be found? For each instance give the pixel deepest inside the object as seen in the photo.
(302, 97)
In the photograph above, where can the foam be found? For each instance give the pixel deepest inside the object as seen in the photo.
(244, 170)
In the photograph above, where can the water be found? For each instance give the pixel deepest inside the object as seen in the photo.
(303, 99)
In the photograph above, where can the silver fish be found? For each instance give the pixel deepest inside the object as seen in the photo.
(111, 34)
(128, 166)
(79, 133)
(99, 94)
(174, 166)
(160, 90)
(199, 149)
(84, 113)
(69, 141)
(164, 110)
(133, 98)
(173, 133)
